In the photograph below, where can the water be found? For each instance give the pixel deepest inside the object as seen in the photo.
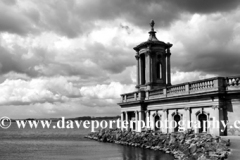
(65, 144)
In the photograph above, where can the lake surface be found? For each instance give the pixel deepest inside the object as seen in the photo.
(65, 144)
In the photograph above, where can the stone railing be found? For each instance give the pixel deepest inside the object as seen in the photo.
(128, 97)
(176, 89)
(232, 82)
(152, 94)
(155, 92)
(202, 86)
(205, 85)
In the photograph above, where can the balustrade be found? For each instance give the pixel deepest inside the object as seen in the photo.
(201, 86)
(152, 94)
(176, 89)
(233, 81)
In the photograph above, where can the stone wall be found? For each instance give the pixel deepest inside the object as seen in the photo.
(184, 146)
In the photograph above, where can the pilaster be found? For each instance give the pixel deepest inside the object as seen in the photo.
(186, 117)
(164, 119)
(122, 119)
(168, 67)
(126, 119)
(138, 70)
(147, 119)
(136, 121)
(216, 125)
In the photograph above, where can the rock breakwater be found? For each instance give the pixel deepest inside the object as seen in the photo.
(184, 146)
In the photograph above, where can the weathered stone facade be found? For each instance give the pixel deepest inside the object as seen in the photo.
(156, 98)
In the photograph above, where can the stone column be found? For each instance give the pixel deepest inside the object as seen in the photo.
(194, 119)
(126, 119)
(141, 118)
(168, 67)
(141, 69)
(164, 121)
(147, 119)
(122, 119)
(164, 68)
(152, 120)
(150, 67)
(147, 67)
(171, 121)
(138, 70)
(187, 117)
(136, 121)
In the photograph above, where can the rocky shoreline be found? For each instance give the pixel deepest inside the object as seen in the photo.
(184, 146)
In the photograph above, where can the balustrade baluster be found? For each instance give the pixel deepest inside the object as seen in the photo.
(231, 81)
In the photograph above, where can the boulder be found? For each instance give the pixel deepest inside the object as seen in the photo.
(172, 139)
(101, 132)
(209, 146)
(193, 148)
(185, 146)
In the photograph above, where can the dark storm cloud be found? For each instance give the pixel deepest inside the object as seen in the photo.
(98, 61)
(212, 48)
(111, 59)
(136, 12)
(9, 2)
(73, 18)
(219, 62)
(7, 63)
(14, 61)
(59, 16)
(141, 12)
(209, 6)
(13, 20)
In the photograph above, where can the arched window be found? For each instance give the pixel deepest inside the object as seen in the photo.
(159, 70)
(157, 123)
(177, 118)
(143, 68)
(202, 117)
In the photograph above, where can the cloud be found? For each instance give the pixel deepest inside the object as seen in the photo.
(207, 44)
(48, 55)
(14, 20)
(128, 76)
(75, 57)
(182, 77)
(111, 91)
(210, 6)
(112, 59)
(41, 90)
(73, 18)
(58, 96)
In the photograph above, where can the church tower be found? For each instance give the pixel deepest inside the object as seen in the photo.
(153, 63)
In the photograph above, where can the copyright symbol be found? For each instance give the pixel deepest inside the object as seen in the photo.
(5, 122)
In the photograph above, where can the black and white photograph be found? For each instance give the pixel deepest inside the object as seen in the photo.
(119, 80)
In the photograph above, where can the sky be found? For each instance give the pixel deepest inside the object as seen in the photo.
(74, 58)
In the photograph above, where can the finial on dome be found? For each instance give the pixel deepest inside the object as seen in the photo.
(152, 25)
(152, 36)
